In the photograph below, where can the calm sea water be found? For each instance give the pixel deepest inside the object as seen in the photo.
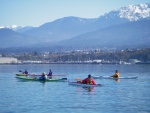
(126, 95)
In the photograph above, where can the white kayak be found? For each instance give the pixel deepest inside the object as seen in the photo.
(109, 77)
(81, 84)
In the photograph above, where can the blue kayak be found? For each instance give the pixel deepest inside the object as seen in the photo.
(109, 77)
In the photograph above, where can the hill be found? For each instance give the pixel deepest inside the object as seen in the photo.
(10, 38)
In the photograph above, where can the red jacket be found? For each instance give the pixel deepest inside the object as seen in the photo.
(88, 81)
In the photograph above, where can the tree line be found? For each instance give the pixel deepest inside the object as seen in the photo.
(120, 55)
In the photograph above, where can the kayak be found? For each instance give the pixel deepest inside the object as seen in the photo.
(48, 75)
(108, 77)
(37, 79)
(38, 75)
(81, 84)
(21, 74)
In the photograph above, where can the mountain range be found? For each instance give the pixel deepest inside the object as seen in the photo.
(126, 27)
(131, 34)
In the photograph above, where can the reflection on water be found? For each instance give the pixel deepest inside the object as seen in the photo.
(89, 89)
(81, 88)
(117, 80)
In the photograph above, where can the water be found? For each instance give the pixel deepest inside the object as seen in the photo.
(128, 95)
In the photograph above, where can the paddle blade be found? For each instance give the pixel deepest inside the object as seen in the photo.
(64, 78)
(20, 71)
(78, 79)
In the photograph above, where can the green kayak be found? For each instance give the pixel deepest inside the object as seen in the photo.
(37, 79)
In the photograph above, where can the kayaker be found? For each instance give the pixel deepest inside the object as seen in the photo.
(116, 75)
(50, 74)
(43, 77)
(89, 80)
(25, 72)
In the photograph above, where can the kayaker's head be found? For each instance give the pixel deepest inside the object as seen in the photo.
(43, 73)
(89, 76)
(116, 71)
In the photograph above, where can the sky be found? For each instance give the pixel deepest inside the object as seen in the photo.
(37, 12)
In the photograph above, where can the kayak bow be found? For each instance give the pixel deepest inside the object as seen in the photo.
(21, 74)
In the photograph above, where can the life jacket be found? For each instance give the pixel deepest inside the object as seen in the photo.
(43, 77)
(116, 75)
(25, 72)
(89, 81)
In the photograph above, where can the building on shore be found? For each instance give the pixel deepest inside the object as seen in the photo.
(8, 60)
(134, 61)
(31, 62)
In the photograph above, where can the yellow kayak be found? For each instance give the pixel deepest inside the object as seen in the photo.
(21, 74)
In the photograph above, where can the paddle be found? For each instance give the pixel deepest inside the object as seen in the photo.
(20, 71)
(64, 78)
(78, 80)
(24, 73)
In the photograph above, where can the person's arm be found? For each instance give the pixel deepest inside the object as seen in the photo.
(84, 81)
(113, 75)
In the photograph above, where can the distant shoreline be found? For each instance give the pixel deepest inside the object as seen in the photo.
(71, 63)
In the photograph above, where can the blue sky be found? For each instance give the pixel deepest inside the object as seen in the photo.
(38, 12)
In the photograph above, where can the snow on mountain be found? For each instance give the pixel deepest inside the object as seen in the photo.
(135, 12)
(1, 27)
(13, 27)
(19, 29)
